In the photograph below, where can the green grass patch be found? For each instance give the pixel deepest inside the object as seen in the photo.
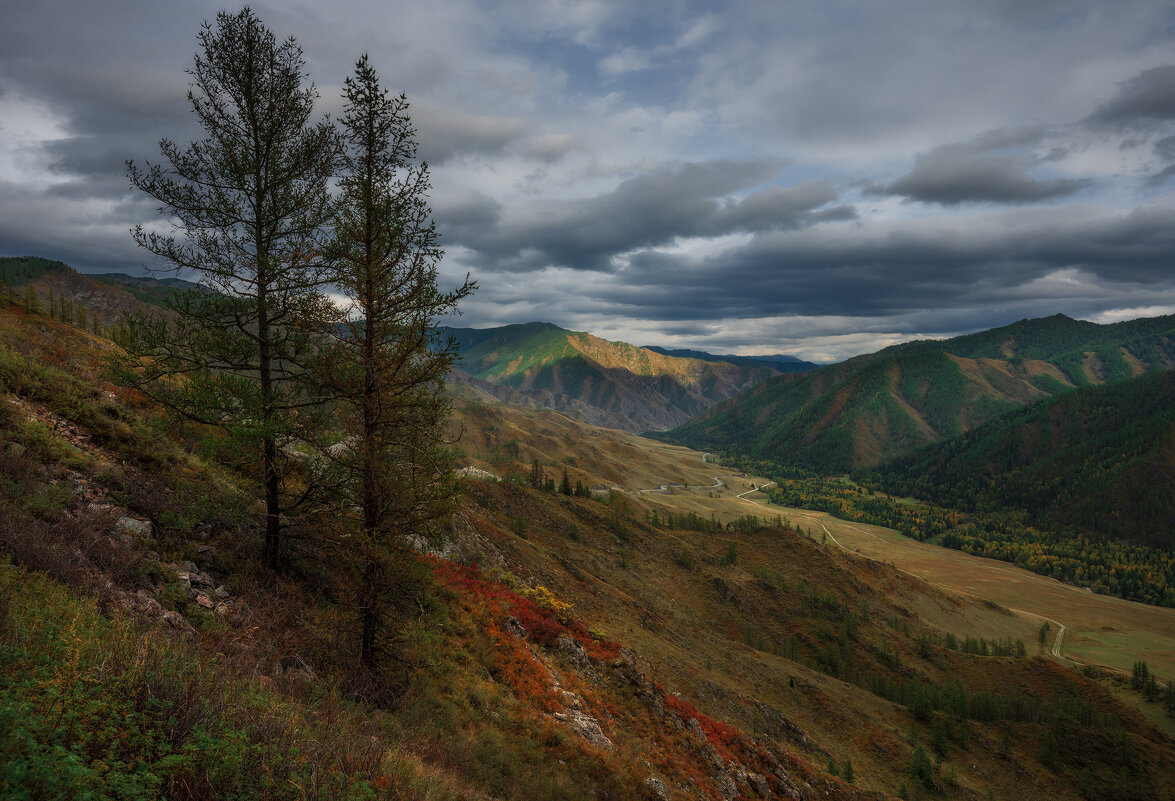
(100, 708)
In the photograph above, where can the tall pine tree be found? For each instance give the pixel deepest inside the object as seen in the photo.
(250, 203)
(385, 364)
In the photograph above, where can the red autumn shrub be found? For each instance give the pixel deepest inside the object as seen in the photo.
(722, 736)
(541, 624)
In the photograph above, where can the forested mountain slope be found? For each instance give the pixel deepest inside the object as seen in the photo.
(1087, 353)
(780, 361)
(84, 299)
(1099, 460)
(882, 405)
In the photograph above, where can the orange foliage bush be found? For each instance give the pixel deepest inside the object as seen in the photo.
(726, 739)
(541, 624)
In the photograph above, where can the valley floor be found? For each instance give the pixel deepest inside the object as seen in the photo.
(1085, 628)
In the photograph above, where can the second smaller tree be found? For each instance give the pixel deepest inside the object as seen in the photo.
(385, 363)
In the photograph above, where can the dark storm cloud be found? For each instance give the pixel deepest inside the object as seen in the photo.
(1162, 176)
(465, 215)
(519, 110)
(1164, 151)
(654, 209)
(1144, 99)
(855, 269)
(40, 224)
(967, 173)
(782, 207)
(80, 61)
(1165, 148)
(112, 90)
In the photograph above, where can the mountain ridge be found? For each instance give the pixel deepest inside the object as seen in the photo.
(600, 381)
(106, 297)
(1099, 459)
(877, 406)
(782, 362)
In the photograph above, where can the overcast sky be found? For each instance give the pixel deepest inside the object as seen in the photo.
(818, 178)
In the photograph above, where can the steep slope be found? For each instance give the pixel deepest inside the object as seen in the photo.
(573, 648)
(612, 384)
(882, 405)
(801, 643)
(853, 414)
(1100, 459)
(1087, 353)
(112, 539)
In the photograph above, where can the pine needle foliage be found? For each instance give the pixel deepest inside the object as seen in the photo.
(385, 364)
(249, 203)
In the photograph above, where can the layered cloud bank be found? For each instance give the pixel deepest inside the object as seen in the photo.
(821, 180)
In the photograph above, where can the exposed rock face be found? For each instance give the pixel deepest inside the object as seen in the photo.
(759, 784)
(726, 786)
(135, 527)
(567, 647)
(586, 727)
(177, 622)
(658, 787)
(778, 726)
(476, 472)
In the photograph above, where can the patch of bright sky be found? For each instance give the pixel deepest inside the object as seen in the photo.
(1118, 315)
(695, 249)
(26, 125)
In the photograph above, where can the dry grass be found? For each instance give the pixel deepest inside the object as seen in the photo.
(1137, 631)
(710, 615)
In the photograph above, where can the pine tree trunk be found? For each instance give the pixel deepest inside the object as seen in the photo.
(272, 506)
(271, 479)
(369, 614)
(369, 489)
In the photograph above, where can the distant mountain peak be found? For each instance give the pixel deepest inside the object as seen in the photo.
(603, 382)
(880, 405)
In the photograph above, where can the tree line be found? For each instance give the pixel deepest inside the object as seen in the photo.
(1132, 571)
(338, 406)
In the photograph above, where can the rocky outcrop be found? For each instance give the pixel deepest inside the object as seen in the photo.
(586, 727)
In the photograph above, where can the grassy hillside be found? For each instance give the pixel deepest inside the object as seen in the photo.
(150, 688)
(1099, 460)
(875, 407)
(605, 383)
(570, 647)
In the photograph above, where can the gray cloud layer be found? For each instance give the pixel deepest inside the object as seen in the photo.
(653, 209)
(721, 177)
(1145, 98)
(957, 174)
